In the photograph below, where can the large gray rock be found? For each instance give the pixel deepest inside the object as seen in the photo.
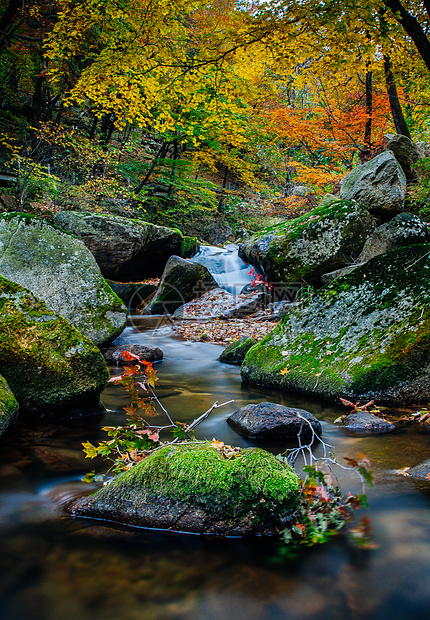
(124, 249)
(365, 422)
(47, 363)
(116, 354)
(8, 406)
(59, 269)
(404, 229)
(365, 336)
(194, 488)
(181, 282)
(326, 238)
(219, 303)
(406, 153)
(273, 421)
(379, 185)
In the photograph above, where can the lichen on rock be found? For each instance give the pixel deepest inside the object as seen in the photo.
(365, 336)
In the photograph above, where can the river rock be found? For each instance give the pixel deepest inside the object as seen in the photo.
(194, 488)
(219, 303)
(322, 240)
(47, 363)
(123, 248)
(365, 336)
(235, 352)
(59, 269)
(273, 421)
(365, 422)
(149, 354)
(8, 406)
(421, 471)
(404, 229)
(406, 153)
(181, 282)
(379, 185)
(132, 293)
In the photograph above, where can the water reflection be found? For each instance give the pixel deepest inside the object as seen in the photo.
(54, 568)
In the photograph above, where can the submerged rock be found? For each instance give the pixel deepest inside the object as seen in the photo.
(8, 406)
(149, 354)
(235, 352)
(365, 422)
(379, 185)
(326, 238)
(181, 282)
(194, 488)
(270, 420)
(59, 269)
(47, 363)
(123, 248)
(365, 336)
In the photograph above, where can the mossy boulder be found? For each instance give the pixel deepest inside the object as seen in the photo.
(379, 185)
(132, 293)
(194, 488)
(326, 238)
(406, 153)
(365, 336)
(125, 249)
(235, 352)
(59, 269)
(46, 362)
(8, 406)
(182, 281)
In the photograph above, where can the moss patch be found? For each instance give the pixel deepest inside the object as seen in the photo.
(8, 406)
(365, 336)
(253, 482)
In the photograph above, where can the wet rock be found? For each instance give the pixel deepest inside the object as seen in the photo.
(219, 303)
(8, 406)
(365, 422)
(365, 336)
(235, 352)
(421, 471)
(123, 248)
(379, 185)
(48, 364)
(132, 293)
(322, 240)
(406, 153)
(181, 282)
(194, 488)
(218, 233)
(60, 270)
(149, 354)
(270, 420)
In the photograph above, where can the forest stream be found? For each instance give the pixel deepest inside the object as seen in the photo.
(57, 568)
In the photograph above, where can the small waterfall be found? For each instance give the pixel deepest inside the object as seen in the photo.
(229, 271)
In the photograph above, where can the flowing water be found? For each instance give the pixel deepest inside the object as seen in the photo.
(229, 271)
(55, 568)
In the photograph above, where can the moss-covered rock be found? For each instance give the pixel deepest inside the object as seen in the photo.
(47, 363)
(190, 246)
(59, 269)
(125, 249)
(235, 352)
(194, 488)
(365, 336)
(8, 406)
(132, 293)
(181, 282)
(326, 238)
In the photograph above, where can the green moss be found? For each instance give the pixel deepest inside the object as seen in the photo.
(190, 246)
(253, 482)
(44, 359)
(8, 406)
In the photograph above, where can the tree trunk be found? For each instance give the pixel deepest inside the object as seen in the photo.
(367, 151)
(412, 27)
(396, 108)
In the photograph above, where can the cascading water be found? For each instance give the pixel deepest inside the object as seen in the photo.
(229, 271)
